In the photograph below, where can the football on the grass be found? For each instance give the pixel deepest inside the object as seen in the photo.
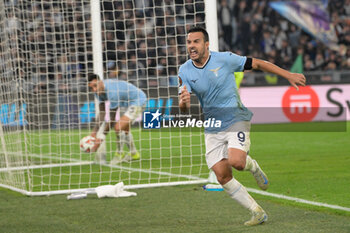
(86, 143)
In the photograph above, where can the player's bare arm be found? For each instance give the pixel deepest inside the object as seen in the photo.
(99, 120)
(184, 99)
(123, 124)
(295, 79)
(98, 123)
(107, 127)
(111, 123)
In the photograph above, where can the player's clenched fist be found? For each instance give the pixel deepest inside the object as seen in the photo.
(185, 99)
(185, 95)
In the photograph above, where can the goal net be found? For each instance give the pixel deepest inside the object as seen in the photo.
(46, 52)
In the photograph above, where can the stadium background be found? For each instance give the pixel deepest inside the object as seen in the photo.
(150, 58)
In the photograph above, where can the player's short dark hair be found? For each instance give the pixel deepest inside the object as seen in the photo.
(202, 30)
(92, 77)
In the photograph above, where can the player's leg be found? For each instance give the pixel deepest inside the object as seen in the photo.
(123, 124)
(132, 113)
(238, 146)
(243, 162)
(127, 138)
(217, 160)
(118, 137)
(122, 129)
(119, 155)
(120, 143)
(131, 145)
(238, 192)
(259, 175)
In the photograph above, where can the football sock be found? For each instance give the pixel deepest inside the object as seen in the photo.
(120, 142)
(130, 143)
(239, 193)
(250, 164)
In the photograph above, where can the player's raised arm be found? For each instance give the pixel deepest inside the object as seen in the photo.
(295, 79)
(184, 99)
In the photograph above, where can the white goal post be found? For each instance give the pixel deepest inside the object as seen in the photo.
(47, 49)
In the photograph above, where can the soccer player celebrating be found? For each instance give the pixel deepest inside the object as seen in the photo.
(130, 100)
(210, 75)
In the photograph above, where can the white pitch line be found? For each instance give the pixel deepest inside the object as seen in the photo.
(152, 172)
(84, 162)
(6, 169)
(314, 203)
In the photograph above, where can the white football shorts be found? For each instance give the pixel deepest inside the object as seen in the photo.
(132, 112)
(237, 136)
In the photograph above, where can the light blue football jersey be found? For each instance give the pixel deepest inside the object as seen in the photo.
(215, 86)
(122, 94)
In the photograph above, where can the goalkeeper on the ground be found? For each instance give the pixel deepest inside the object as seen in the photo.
(130, 100)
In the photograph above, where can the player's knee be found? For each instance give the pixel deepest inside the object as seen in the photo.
(239, 167)
(223, 179)
(223, 171)
(117, 127)
(237, 158)
(237, 163)
(223, 176)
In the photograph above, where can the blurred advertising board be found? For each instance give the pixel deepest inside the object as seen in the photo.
(285, 104)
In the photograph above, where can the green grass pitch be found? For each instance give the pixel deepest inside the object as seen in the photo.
(308, 165)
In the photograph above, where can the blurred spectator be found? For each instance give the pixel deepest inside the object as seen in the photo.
(260, 24)
(346, 64)
(347, 7)
(286, 53)
(146, 39)
(319, 61)
(293, 36)
(225, 18)
(308, 64)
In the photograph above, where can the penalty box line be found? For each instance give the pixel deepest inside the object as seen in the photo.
(299, 200)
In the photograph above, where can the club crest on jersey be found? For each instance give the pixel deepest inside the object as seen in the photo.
(215, 71)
